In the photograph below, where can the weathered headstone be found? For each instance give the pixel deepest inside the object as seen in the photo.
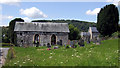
(81, 42)
(58, 43)
(68, 43)
(55, 47)
(48, 45)
(98, 41)
(71, 43)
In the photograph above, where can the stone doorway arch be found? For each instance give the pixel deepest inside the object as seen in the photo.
(36, 39)
(53, 40)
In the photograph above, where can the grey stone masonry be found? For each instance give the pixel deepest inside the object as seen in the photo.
(42, 33)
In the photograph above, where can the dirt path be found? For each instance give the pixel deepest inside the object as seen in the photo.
(3, 55)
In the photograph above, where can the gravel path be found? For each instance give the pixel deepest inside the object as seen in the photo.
(3, 55)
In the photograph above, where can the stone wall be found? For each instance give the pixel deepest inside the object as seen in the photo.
(27, 38)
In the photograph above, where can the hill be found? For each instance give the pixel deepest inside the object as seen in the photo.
(81, 25)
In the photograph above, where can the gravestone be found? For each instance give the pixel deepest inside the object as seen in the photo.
(48, 45)
(71, 43)
(88, 40)
(81, 42)
(94, 39)
(58, 43)
(55, 47)
(98, 41)
(68, 43)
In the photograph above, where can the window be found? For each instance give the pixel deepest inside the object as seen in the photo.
(21, 41)
(20, 33)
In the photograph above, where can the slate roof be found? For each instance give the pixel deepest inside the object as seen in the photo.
(94, 29)
(85, 33)
(43, 27)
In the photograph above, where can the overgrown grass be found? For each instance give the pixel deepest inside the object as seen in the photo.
(105, 54)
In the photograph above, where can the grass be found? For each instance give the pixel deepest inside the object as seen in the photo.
(105, 54)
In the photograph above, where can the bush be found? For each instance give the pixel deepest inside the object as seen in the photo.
(75, 45)
(116, 35)
(6, 44)
(67, 46)
(11, 53)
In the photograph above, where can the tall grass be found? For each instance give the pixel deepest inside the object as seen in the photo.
(105, 54)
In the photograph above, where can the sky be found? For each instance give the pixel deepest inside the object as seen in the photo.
(82, 10)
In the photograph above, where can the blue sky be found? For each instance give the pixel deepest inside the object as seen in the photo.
(84, 11)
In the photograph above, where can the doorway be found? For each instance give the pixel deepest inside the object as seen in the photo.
(53, 39)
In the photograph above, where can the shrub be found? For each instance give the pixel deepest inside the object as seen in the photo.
(116, 35)
(11, 53)
(75, 45)
(6, 44)
(67, 46)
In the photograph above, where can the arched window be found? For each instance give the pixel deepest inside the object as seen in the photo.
(53, 39)
(36, 38)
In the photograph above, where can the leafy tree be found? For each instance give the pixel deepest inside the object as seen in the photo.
(107, 20)
(74, 33)
(12, 34)
(5, 35)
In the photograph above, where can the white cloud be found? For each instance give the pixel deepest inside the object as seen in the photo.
(93, 12)
(115, 2)
(109, 0)
(119, 3)
(26, 19)
(3, 17)
(33, 13)
(10, 2)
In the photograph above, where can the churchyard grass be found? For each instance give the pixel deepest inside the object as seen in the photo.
(105, 54)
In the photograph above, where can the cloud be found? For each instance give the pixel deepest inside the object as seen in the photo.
(93, 12)
(26, 19)
(115, 2)
(3, 17)
(119, 3)
(33, 13)
(10, 2)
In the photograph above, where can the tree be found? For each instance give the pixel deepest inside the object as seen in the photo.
(74, 33)
(5, 35)
(12, 34)
(107, 20)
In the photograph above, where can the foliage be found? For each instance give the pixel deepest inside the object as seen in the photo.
(6, 44)
(91, 55)
(75, 46)
(74, 33)
(5, 35)
(107, 20)
(11, 54)
(67, 46)
(12, 34)
(116, 34)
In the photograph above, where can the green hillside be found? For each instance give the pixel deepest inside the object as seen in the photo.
(81, 25)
